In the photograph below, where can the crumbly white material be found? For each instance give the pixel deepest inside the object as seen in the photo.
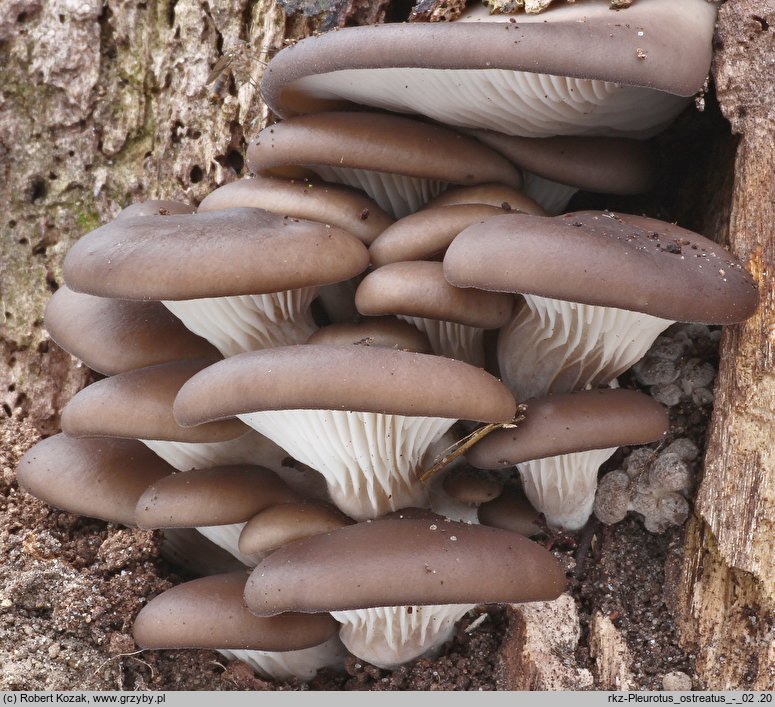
(554, 346)
(302, 664)
(389, 636)
(563, 487)
(397, 194)
(465, 343)
(249, 322)
(371, 461)
(510, 102)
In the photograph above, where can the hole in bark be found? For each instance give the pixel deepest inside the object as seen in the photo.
(39, 248)
(71, 153)
(53, 175)
(195, 134)
(171, 13)
(62, 19)
(762, 23)
(12, 223)
(23, 241)
(21, 17)
(196, 174)
(37, 189)
(53, 285)
(43, 347)
(7, 409)
(233, 159)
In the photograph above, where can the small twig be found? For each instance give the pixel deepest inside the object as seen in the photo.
(463, 445)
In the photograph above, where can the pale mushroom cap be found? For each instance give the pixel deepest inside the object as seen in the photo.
(500, 195)
(211, 254)
(601, 258)
(332, 204)
(114, 335)
(156, 207)
(353, 378)
(211, 613)
(99, 478)
(138, 404)
(380, 143)
(216, 496)
(403, 562)
(388, 332)
(573, 422)
(418, 289)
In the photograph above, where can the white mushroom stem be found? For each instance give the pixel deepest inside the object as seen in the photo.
(302, 664)
(552, 196)
(397, 194)
(371, 462)
(563, 487)
(389, 636)
(465, 343)
(509, 102)
(553, 346)
(249, 322)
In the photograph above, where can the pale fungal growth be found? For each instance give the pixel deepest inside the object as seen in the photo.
(535, 77)
(364, 417)
(598, 289)
(562, 442)
(399, 586)
(399, 162)
(210, 613)
(235, 276)
(454, 319)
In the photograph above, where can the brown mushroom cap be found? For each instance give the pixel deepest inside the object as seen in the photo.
(573, 422)
(418, 289)
(500, 195)
(600, 258)
(355, 378)
(216, 496)
(426, 234)
(471, 486)
(403, 562)
(114, 335)
(585, 42)
(138, 404)
(388, 332)
(212, 254)
(99, 478)
(599, 164)
(156, 207)
(287, 522)
(511, 511)
(211, 613)
(380, 143)
(313, 200)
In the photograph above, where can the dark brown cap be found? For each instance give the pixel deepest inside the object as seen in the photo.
(114, 335)
(211, 613)
(601, 258)
(356, 378)
(403, 562)
(99, 478)
(511, 511)
(212, 254)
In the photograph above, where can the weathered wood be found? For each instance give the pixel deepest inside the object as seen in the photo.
(724, 596)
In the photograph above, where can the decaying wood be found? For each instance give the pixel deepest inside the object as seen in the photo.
(612, 657)
(724, 597)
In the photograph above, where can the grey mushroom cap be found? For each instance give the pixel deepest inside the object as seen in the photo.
(500, 195)
(309, 199)
(601, 258)
(418, 289)
(138, 404)
(212, 254)
(156, 207)
(403, 562)
(114, 335)
(354, 378)
(99, 478)
(573, 422)
(211, 613)
(602, 46)
(388, 332)
(598, 164)
(215, 496)
(381, 143)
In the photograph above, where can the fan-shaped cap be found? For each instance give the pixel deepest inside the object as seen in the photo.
(381, 143)
(388, 332)
(211, 613)
(601, 258)
(500, 195)
(471, 486)
(658, 44)
(313, 200)
(138, 404)
(573, 422)
(418, 289)
(115, 335)
(403, 562)
(215, 496)
(99, 478)
(212, 254)
(511, 511)
(356, 378)
(156, 207)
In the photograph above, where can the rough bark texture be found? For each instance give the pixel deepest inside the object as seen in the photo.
(725, 596)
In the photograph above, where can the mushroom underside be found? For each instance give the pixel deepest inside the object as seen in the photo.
(460, 341)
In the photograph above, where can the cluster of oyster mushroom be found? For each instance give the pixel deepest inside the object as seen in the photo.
(264, 390)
